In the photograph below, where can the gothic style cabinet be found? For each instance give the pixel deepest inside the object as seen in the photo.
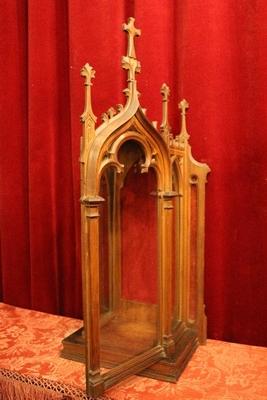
(142, 212)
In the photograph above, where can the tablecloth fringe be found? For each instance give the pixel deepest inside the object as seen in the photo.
(16, 386)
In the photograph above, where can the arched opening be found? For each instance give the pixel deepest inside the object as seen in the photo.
(128, 258)
(139, 236)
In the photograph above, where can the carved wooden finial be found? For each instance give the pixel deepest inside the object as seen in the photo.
(165, 126)
(132, 32)
(165, 91)
(184, 136)
(88, 73)
(129, 62)
(132, 65)
(183, 105)
(87, 118)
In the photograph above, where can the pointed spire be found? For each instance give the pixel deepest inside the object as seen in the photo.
(165, 126)
(184, 136)
(129, 62)
(87, 118)
(88, 73)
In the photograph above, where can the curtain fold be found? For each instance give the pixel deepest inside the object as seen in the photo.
(210, 52)
(14, 154)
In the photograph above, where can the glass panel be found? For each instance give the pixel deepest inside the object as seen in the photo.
(177, 251)
(192, 299)
(103, 249)
(129, 294)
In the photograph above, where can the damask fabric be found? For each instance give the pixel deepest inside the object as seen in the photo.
(30, 366)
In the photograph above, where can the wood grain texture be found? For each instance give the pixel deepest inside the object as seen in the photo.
(129, 337)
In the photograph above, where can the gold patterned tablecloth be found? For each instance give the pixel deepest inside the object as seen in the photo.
(30, 343)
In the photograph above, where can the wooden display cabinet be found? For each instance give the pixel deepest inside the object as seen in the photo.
(124, 334)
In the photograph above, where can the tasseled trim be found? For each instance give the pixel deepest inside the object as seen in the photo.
(15, 386)
(11, 389)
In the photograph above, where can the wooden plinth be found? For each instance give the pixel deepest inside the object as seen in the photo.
(122, 339)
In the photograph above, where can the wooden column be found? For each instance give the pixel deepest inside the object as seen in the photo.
(199, 180)
(95, 383)
(166, 246)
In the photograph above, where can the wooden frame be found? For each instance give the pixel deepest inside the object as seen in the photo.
(180, 197)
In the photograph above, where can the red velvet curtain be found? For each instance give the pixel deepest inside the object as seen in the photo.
(213, 53)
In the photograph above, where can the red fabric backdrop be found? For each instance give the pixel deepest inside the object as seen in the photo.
(213, 53)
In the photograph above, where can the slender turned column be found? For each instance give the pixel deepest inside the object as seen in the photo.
(95, 383)
(166, 246)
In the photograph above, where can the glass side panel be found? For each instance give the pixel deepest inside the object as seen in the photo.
(129, 294)
(177, 251)
(103, 249)
(192, 298)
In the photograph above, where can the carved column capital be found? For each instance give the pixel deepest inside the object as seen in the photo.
(164, 195)
(91, 201)
(92, 204)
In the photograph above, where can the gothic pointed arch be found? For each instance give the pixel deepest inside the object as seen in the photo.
(127, 336)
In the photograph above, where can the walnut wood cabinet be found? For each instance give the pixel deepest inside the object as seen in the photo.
(123, 335)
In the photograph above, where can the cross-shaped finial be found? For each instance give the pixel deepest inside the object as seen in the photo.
(132, 32)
